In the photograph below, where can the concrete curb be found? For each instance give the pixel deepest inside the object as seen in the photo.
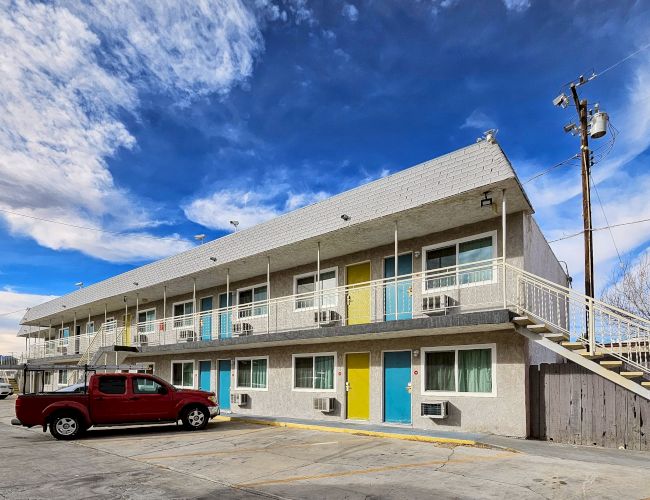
(360, 432)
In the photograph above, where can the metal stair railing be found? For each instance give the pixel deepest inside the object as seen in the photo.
(598, 325)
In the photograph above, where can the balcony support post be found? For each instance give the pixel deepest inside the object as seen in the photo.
(503, 247)
(74, 329)
(395, 270)
(126, 320)
(317, 282)
(164, 312)
(194, 313)
(228, 315)
(268, 293)
(137, 314)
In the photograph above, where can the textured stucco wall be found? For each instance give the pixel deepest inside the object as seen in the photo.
(503, 414)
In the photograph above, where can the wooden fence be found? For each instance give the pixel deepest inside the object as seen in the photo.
(570, 404)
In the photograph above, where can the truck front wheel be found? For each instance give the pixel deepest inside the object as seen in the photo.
(66, 426)
(195, 418)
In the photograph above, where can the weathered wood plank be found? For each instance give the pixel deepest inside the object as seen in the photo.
(545, 391)
(633, 435)
(621, 417)
(610, 414)
(597, 410)
(644, 425)
(554, 403)
(564, 404)
(575, 421)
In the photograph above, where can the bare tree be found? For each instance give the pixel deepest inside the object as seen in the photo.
(629, 288)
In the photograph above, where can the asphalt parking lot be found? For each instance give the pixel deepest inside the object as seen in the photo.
(242, 460)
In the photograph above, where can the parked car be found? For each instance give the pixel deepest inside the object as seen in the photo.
(79, 387)
(5, 390)
(115, 399)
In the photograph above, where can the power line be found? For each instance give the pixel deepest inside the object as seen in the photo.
(116, 233)
(602, 208)
(13, 312)
(550, 169)
(600, 229)
(623, 60)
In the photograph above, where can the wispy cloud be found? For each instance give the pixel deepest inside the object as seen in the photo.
(16, 303)
(70, 71)
(250, 208)
(478, 120)
(351, 12)
(517, 5)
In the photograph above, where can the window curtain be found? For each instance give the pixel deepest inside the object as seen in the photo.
(475, 370)
(259, 374)
(303, 373)
(259, 297)
(440, 371)
(324, 372)
(328, 287)
(304, 286)
(177, 374)
(244, 373)
(475, 251)
(439, 259)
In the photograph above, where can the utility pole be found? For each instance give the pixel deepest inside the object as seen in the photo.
(585, 156)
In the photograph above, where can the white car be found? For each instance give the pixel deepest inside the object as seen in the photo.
(79, 387)
(5, 390)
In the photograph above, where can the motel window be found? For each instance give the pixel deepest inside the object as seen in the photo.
(454, 263)
(90, 327)
(142, 385)
(305, 284)
(252, 301)
(183, 374)
(183, 314)
(313, 372)
(461, 370)
(63, 377)
(252, 373)
(146, 320)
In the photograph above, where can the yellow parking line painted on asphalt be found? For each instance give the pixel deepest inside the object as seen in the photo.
(372, 470)
(235, 450)
(356, 432)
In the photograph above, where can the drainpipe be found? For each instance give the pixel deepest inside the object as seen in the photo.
(137, 313)
(126, 318)
(503, 245)
(395, 271)
(228, 298)
(318, 291)
(74, 329)
(165, 307)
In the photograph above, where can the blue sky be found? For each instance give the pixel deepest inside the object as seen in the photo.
(170, 119)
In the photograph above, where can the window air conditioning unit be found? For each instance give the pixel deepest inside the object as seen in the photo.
(187, 335)
(326, 405)
(239, 399)
(327, 317)
(242, 329)
(436, 304)
(435, 409)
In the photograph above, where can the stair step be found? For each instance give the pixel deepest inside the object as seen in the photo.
(610, 365)
(523, 321)
(590, 355)
(631, 375)
(574, 346)
(539, 328)
(556, 337)
(646, 384)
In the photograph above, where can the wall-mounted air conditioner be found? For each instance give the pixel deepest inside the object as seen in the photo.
(435, 409)
(239, 399)
(328, 317)
(242, 329)
(186, 335)
(326, 405)
(436, 304)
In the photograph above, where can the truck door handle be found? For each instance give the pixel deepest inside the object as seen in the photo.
(134, 398)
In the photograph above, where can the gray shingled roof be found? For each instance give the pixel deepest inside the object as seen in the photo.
(480, 164)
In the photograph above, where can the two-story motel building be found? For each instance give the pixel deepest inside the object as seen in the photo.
(382, 304)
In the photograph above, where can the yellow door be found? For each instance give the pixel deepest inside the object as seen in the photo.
(357, 385)
(358, 297)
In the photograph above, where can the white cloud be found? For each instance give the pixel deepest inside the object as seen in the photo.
(351, 12)
(59, 107)
(517, 5)
(248, 207)
(478, 120)
(11, 301)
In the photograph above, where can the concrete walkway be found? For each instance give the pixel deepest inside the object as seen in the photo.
(540, 448)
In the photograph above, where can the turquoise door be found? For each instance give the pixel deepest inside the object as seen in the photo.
(206, 319)
(224, 384)
(397, 387)
(404, 288)
(225, 317)
(204, 375)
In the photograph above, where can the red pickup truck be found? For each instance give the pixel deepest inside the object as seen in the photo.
(115, 399)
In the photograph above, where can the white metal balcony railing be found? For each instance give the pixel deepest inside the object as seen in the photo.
(477, 286)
